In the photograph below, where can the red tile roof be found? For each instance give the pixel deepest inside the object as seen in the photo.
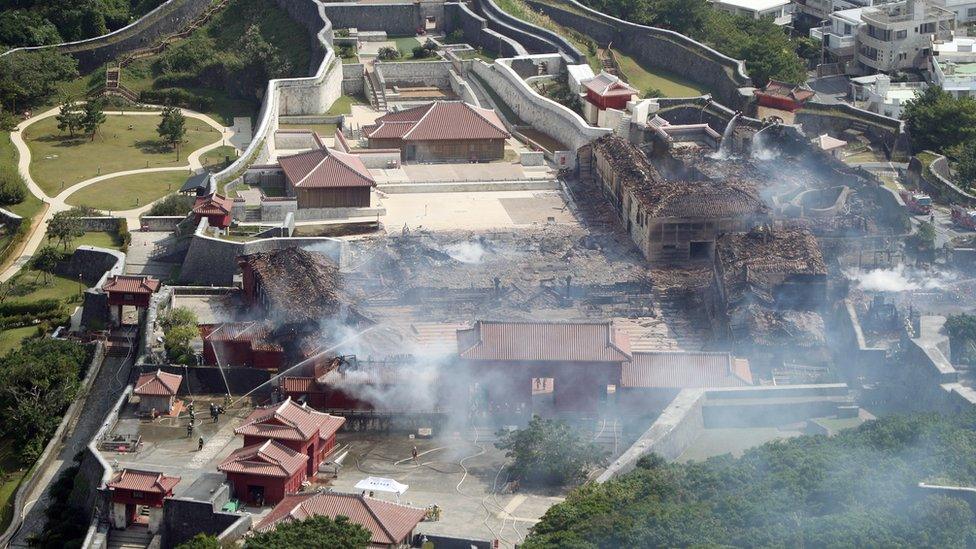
(326, 168)
(158, 383)
(389, 523)
(289, 421)
(143, 481)
(214, 204)
(608, 85)
(132, 284)
(785, 89)
(301, 385)
(443, 120)
(267, 459)
(681, 370)
(544, 341)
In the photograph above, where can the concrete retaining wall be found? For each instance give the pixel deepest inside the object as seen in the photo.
(471, 186)
(274, 211)
(545, 115)
(415, 73)
(396, 19)
(169, 18)
(295, 139)
(105, 223)
(719, 74)
(185, 518)
(937, 180)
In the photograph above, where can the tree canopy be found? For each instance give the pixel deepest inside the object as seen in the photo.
(37, 22)
(857, 488)
(938, 121)
(548, 452)
(767, 50)
(30, 78)
(312, 533)
(200, 541)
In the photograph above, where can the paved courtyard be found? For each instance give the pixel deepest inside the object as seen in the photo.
(474, 210)
(462, 475)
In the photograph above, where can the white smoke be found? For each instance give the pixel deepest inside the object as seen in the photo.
(899, 279)
(466, 252)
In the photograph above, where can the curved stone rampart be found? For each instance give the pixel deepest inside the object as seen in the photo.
(168, 18)
(659, 48)
(477, 33)
(535, 39)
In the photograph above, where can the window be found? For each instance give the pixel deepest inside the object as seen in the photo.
(847, 29)
(927, 28)
(901, 35)
(879, 34)
(971, 12)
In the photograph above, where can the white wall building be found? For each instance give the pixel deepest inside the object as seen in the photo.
(965, 10)
(839, 35)
(879, 94)
(898, 36)
(780, 11)
(953, 66)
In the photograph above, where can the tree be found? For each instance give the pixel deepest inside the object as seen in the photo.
(92, 117)
(68, 117)
(936, 120)
(30, 78)
(174, 204)
(200, 541)
(46, 260)
(548, 452)
(924, 237)
(962, 338)
(387, 53)
(312, 533)
(172, 127)
(64, 227)
(179, 329)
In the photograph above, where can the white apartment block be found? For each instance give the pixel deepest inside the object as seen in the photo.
(780, 11)
(953, 66)
(899, 35)
(877, 93)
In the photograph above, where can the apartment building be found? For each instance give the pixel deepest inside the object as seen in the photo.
(898, 35)
(814, 13)
(952, 66)
(780, 11)
(839, 35)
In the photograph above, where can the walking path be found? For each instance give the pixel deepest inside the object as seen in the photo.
(57, 203)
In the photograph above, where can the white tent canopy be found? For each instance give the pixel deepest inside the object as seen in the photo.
(379, 484)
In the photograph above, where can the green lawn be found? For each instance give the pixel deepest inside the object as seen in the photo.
(57, 157)
(8, 161)
(644, 78)
(129, 191)
(9, 340)
(216, 159)
(343, 105)
(406, 44)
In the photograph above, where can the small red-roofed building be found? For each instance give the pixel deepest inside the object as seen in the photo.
(390, 525)
(444, 131)
(129, 291)
(218, 210)
(607, 91)
(783, 96)
(299, 428)
(262, 473)
(157, 391)
(327, 178)
(133, 490)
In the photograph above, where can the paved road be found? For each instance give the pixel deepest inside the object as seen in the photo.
(106, 390)
(57, 203)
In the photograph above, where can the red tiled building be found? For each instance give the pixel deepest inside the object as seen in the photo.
(327, 178)
(582, 360)
(783, 96)
(264, 472)
(131, 490)
(390, 525)
(606, 91)
(438, 132)
(157, 391)
(241, 344)
(216, 208)
(299, 428)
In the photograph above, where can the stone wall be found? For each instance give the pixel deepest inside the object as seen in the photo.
(401, 19)
(477, 33)
(274, 211)
(416, 73)
(160, 223)
(169, 18)
(295, 139)
(545, 115)
(817, 119)
(535, 39)
(102, 223)
(185, 518)
(937, 180)
(213, 262)
(352, 80)
(719, 74)
(94, 265)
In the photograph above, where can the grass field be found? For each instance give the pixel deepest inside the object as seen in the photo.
(57, 157)
(129, 191)
(343, 105)
(644, 78)
(8, 161)
(216, 159)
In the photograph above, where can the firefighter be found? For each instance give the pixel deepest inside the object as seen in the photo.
(189, 429)
(414, 453)
(200, 444)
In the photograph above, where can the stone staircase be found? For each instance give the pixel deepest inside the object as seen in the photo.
(375, 93)
(166, 41)
(133, 537)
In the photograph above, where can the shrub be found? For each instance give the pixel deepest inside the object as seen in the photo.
(177, 97)
(174, 204)
(388, 54)
(13, 189)
(456, 37)
(421, 52)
